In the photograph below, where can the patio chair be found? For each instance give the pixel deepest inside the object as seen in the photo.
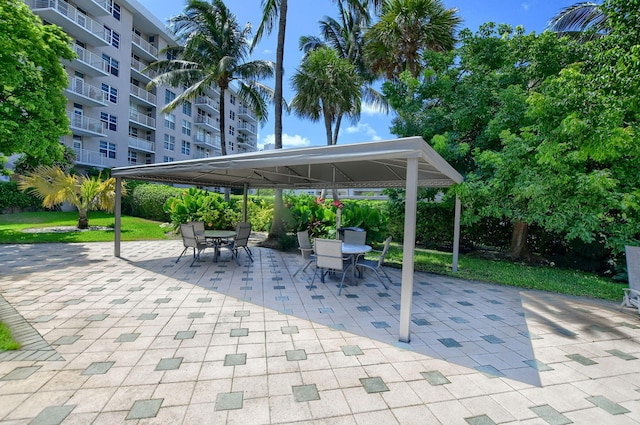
(354, 237)
(190, 240)
(243, 230)
(376, 265)
(306, 250)
(198, 227)
(329, 259)
(631, 296)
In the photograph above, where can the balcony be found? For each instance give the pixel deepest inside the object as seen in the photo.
(247, 128)
(94, 7)
(139, 72)
(143, 48)
(207, 122)
(142, 145)
(90, 158)
(246, 113)
(85, 126)
(142, 120)
(247, 145)
(208, 104)
(74, 22)
(88, 63)
(207, 142)
(142, 96)
(84, 93)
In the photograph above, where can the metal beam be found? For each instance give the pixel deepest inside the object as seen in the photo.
(406, 290)
(117, 217)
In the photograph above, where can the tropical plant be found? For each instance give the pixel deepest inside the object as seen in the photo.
(405, 30)
(199, 205)
(211, 52)
(32, 79)
(54, 187)
(583, 21)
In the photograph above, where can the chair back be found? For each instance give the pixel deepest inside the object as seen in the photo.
(353, 237)
(633, 266)
(198, 228)
(329, 254)
(387, 243)
(188, 235)
(243, 231)
(304, 244)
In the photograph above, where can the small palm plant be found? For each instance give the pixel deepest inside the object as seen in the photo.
(54, 186)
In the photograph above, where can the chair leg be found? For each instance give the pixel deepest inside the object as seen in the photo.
(182, 253)
(314, 278)
(249, 253)
(380, 279)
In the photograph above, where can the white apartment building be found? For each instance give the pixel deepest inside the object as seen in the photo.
(114, 120)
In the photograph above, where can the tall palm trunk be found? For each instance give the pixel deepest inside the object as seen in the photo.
(519, 247)
(83, 218)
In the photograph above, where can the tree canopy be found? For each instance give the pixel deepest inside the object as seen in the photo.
(32, 80)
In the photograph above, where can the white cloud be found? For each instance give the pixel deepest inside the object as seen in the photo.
(267, 51)
(288, 141)
(525, 6)
(370, 109)
(365, 129)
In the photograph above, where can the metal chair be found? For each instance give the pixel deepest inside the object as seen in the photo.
(376, 265)
(308, 256)
(631, 296)
(243, 231)
(329, 259)
(354, 237)
(190, 240)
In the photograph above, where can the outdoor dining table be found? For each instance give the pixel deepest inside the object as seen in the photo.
(216, 237)
(354, 251)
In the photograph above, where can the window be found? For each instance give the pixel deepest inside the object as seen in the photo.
(170, 56)
(109, 122)
(132, 157)
(170, 121)
(114, 9)
(186, 127)
(169, 96)
(169, 142)
(112, 64)
(112, 37)
(186, 147)
(110, 93)
(168, 159)
(232, 99)
(201, 152)
(108, 149)
(186, 108)
(232, 115)
(232, 130)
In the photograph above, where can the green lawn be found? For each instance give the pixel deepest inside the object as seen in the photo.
(7, 342)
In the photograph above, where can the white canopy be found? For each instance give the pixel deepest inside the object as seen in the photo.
(406, 162)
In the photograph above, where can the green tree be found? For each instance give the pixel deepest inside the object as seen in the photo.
(54, 187)
(583, 21)
(32, 79)
(405, 30)
(211, 52)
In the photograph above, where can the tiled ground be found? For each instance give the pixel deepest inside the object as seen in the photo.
(144, 340)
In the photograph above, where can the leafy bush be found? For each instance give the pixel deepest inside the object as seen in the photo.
(199, 205)
(12, 198)
(148, 200)
(368, 215)
(259, 213)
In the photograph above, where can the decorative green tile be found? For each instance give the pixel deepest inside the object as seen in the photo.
(374, 385)
(538, 365)
(20, 373)
(147, 316)
(240, 332)
(235, 359)
(198, 315)
(44, 318)
(581, 359)
(607, 405)
(52, 415)
(352, 350)
(622, 355)
(203, 300)
(286, 330)
(480, 420)
(435, 377)
(229, 401)
(293, 355)
(305, 393)
(119, 301)
(66, 340)
(97, 317)
(169, 363)
(128, 337)
(550, 415)
(98, 368)
(74, 302)
(145, 409)
(162, 300)
(242, 313)
(185, 335)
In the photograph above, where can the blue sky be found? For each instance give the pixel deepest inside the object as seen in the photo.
(302, 19)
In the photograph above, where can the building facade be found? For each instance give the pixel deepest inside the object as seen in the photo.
(114, 119)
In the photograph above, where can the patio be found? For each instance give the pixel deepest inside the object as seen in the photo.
(140, 338)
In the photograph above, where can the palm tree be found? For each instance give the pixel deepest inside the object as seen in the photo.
(54, 186)
(584, 21)
(211, 52)
(405, 30)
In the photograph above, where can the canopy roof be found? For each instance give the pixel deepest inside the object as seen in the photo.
(373, 164)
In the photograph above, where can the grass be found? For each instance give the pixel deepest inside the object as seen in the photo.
(7, 343)
(133, 228)
(551, 279)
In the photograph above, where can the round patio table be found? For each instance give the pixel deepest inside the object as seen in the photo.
(216, 237)
(354, 251)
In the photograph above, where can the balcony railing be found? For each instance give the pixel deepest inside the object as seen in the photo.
(141, 144)
(139, 66)
(91, 59)
(87, 157)
(142, 94)
(144, 45)
(85, 123)
(73, 14)
(243, 111)
(142, 119)
(207, 141)
(204, 101)
(246, 127)
(208, 121)
(84, 89)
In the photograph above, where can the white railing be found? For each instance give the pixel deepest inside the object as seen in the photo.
(144, 44)
(207, 101)
(142, 93)
(207, 141)
(142, 119)
(73, 14)
(201, 119)
(91, 58)
(243, 110)
(85, 123)
(140, 67)
(82, 88)
(84, 156)
(141, 144)
(251, 128)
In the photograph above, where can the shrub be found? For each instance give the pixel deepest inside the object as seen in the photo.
(147, 200)
(200, 205)
(13, 199)
(259, 213)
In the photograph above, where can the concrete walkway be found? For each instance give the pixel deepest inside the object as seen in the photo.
(144, 340)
